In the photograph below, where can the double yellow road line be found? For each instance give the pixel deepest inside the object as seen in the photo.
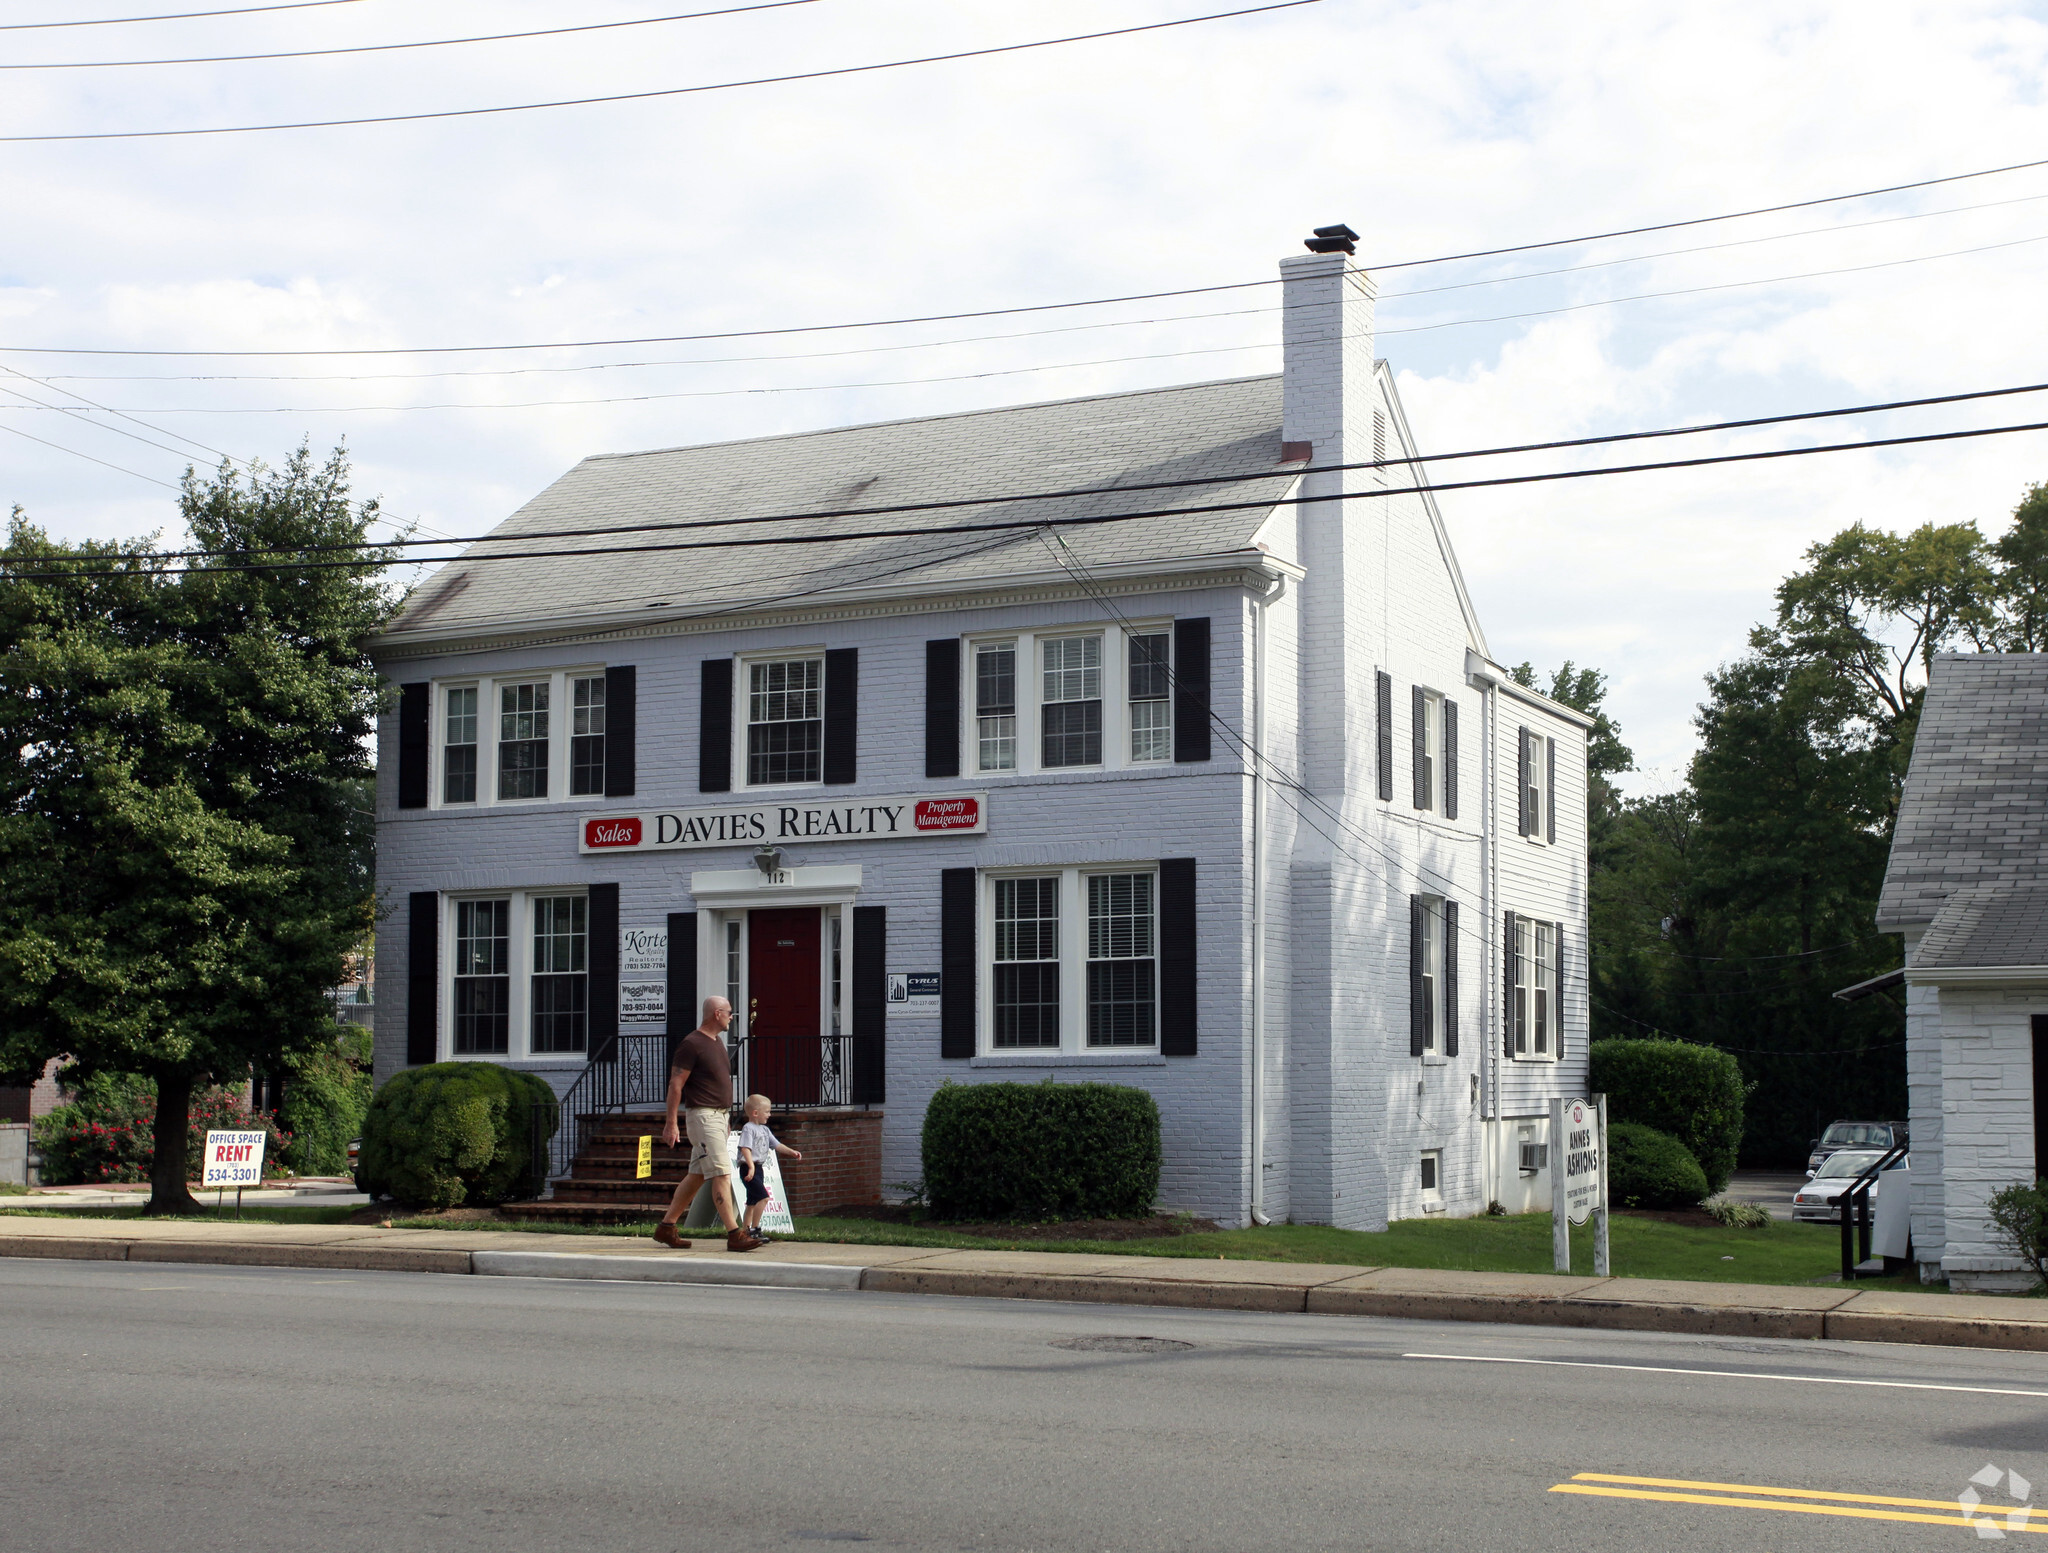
(1794, 1501)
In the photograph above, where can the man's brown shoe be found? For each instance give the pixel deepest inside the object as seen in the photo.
(740, 1240)
(665, 1234)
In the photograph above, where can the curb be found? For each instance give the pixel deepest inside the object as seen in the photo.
(656, 1269)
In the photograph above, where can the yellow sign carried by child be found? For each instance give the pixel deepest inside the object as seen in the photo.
(643, 1167)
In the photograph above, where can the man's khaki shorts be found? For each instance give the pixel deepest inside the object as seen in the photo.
(707, 1128)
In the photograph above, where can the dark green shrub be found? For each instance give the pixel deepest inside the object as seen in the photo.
(1692, 1092)
(2019, 1218)
(452, 1133)
(1041, 1151)
(107, 1131)
(326, 1096)
(1651, 1169)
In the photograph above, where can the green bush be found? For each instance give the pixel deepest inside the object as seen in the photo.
(326, 1097)
(2019, 1217)
(1651, 1169)
(1041, 1151)
(107, 1132)
(1692, 1092)
(452, 1133)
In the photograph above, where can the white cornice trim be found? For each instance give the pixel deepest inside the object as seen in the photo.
(1251, 569)
(1973, 975)
(1482, 670)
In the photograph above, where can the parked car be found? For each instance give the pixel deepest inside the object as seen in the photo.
(1854, 1135)
(1817, 1199)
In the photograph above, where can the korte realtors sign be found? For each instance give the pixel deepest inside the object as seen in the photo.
(729, 825)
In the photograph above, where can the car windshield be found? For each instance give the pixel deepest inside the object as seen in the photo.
(1847, 1164)
(1856, 1135)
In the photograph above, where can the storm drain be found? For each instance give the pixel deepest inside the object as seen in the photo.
(1122, 1344)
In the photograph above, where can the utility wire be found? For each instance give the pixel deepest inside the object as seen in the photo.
(122, 468)
(1162, 512)
(996, 312)
(80, 415)
(122, 414)
(667, 91)
(1197, 481)
(178, 16)
(429, 43)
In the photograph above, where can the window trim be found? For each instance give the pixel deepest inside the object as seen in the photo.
(1429, 1177)
(519, 971)
(1539, 965)
(1540, 760)
(1432, 752)
(742, 705)
(1073, 962)
(561, 722)
(1030, 692)
(1433, 1040)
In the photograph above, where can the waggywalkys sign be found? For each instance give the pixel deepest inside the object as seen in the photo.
(731, 825)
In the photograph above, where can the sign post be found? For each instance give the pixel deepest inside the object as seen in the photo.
(1578, 1177)
(232, 1159)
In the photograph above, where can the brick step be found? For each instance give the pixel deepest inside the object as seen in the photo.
(649, 1190)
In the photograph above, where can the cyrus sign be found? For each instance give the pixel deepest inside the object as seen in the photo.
(742, 824)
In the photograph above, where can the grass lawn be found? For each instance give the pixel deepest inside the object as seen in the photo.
(250, 1214)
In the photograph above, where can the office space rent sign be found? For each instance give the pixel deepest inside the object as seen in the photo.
(232, 1159)
(776, 824)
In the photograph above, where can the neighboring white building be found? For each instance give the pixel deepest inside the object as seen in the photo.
(1021, 830)
(1967, 887)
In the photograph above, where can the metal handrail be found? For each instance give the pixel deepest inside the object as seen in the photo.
(1855, 1199)
(626, 1071)
(807, 1072)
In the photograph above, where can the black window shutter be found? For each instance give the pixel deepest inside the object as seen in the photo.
(1419, 711)
(1177, 957)
(422, 977)
(956, 962)
(1450, 979)
(682, 976)
(1550, 790)
(1522, 781)
(1450, 759)
(870, 1004)
(942, 708)
(415, 703)
(620, 730)
(1507, 1004)
(1557, 995)
(1191, 688)
(842, 713)
(1383, 687)
(1418, 1016)
(603, 960)
(714, 728)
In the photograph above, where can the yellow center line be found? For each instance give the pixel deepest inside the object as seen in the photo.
(1753, 1488)
(1993, 1514)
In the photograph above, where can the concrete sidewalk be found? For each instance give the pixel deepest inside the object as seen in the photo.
(1632, 1304)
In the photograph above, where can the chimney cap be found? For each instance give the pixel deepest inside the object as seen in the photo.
(1333, 239)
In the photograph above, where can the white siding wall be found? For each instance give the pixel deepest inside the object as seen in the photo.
(1923, 1112)
(1987, 1083)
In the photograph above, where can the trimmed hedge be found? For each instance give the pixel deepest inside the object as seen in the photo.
(1651, 1169)
(1694, 1093)
(451, 1133)
(1041, 1151)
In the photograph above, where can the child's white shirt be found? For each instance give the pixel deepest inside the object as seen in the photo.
(756, 1137)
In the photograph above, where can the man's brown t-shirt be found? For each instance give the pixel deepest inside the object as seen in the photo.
(710, 1080)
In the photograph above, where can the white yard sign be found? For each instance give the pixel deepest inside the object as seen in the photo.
(1578, 1177)
(233, 1159)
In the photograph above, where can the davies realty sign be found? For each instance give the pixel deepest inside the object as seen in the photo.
(729, 825)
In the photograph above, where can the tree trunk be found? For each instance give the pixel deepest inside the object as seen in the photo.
(168, 1192)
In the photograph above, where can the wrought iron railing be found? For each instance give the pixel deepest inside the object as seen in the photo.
(1854, 1206)
(626, 1072)
(804, 1072)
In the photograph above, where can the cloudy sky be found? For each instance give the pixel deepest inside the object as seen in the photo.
(1190, 156)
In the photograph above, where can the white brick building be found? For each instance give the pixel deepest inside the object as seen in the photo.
(1022, 830)
(1966, 886)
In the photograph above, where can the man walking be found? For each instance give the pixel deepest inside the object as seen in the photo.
(700, 1080)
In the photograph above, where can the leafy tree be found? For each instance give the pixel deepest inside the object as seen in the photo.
(187, 858)
(2022, 553)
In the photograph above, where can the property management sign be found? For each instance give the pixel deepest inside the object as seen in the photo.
(663, 830)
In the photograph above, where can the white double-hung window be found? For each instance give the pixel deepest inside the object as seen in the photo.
(995, 706)
(1151, 696)
(524, 738)
(1071, 704)
(1534, 1015)
(1073, 960)
(785, 721)
(1062, 700)
(519, 975)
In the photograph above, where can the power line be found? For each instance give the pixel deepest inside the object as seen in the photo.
(667, 91)
(1055, 366)
(994, 312)
(95, 404)
(1162, 512)
(429, 43)
(178, 16)
(1196, 481)
(122, 468)
(80, 415)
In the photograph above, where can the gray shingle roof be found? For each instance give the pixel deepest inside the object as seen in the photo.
(1987, 925)
(1975, 806)
(1228, 428)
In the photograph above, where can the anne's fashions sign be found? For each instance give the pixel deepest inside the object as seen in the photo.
(863, 819)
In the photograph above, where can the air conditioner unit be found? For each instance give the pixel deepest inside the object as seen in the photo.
(1534, 1157)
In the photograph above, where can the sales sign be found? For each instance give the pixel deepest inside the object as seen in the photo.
(742, 824)
(1581, 1180)
(233, 1159)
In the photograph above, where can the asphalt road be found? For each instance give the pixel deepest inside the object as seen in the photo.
(184, 1408)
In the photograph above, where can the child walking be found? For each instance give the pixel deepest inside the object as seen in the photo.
(756, 1144)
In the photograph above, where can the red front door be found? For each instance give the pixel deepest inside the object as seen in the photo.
(783, 977)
